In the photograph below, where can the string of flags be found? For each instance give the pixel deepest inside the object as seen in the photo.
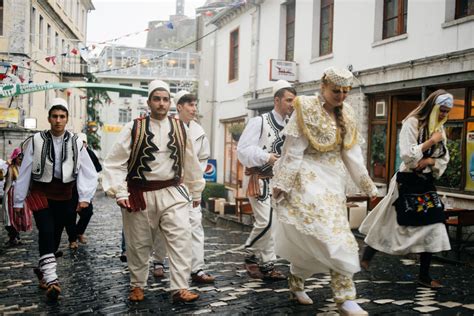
(75, 51)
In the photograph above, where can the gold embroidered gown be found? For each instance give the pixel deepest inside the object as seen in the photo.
(312, 230)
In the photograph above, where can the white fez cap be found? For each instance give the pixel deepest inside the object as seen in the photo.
(280, 84)
(155, 84)
(58, 101)
(339, 76)
(179, 95)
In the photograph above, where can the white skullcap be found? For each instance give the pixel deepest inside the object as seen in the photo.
(155, 84)
(446, 100)
(280, 84)
(82, 137)
(339, 76)
(179, 95)
(58, 101)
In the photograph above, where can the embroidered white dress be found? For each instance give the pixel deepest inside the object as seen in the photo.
(312, 230)
(381, 226)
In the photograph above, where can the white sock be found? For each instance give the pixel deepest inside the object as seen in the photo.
(200, 273)
(351, 306)
(47, 265)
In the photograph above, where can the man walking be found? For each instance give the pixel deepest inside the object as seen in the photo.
(258, 149)
(145, 171)
(187, 108)
(54, 161)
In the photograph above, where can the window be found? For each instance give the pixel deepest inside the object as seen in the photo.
(1, 17)
(326, 27)
(56, 44)
(40, 32)
(49, 36)
(233, 169)
(290, 30)
(32, 25)
(464, 8)
(125, 94)
(394, 17)
(234, 55)
(125, 115)
(144, 84)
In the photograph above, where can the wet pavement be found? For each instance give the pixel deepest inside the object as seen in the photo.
(93, 280)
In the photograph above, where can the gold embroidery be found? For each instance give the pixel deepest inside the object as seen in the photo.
(342, 287)
(319, 128)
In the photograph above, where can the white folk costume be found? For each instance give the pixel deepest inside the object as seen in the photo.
(312, 230)
(202, 151)
(381, 226)
(154, 166)
(260, 138)
(51, 166)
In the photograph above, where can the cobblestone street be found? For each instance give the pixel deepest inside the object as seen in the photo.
(94, 280)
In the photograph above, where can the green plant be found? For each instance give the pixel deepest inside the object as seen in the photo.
(95, 98)
(237, 128)
(451, 178)
(215, 190)
(378, 146)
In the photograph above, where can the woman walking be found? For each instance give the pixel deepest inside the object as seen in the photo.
(312, 231)
(392, 227)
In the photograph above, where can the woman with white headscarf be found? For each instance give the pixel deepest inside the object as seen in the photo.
(312, 230)
(392, 227)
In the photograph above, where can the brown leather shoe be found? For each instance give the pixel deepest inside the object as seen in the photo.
(184, 295)
(136, 294)
(203, 278)
(274, 275)
(53, 291)
(82, 239)
(73, 245)
(158, 270)
(253, 270)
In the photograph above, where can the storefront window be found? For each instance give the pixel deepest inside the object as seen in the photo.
(452, 175)
(378, 156)
(233, 169)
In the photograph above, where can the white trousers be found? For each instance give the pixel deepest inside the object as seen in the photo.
(167, 210)
(260, 240)
(197, 241)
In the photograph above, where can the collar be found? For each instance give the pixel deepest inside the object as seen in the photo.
(280, 120)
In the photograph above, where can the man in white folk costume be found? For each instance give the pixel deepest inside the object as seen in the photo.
(54, 162)
(186, 106)
(258, 149)
(155, 176)
(312, 230)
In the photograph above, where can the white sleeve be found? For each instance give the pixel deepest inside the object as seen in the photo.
(115, 165)
(410, 151)
(204, 152)
(248, 151)
(86, 178)
(354, 162)
(22, 184)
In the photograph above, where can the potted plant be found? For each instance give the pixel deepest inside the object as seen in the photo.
(378, 154)
(236, 130)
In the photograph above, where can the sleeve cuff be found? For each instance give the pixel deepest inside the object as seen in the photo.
(284, 179)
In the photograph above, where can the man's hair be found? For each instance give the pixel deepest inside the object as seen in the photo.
(187, 98)
(280, 93)
(159, 89)
(58, 107)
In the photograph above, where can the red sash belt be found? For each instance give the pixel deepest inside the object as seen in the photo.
(136, 188)
(40, 192)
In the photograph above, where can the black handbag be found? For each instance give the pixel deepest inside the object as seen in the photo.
(418, 203)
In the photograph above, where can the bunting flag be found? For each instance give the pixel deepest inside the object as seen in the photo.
(52, 59)
(74, 51)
